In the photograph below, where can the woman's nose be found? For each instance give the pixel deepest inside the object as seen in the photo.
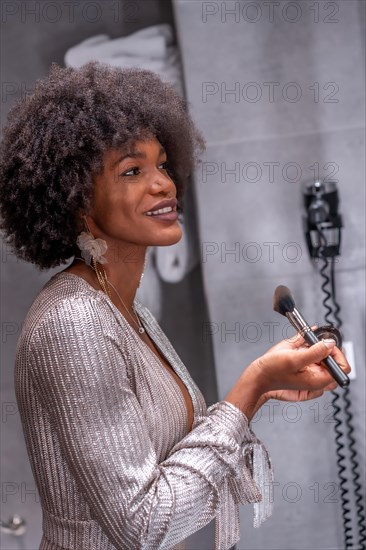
(161, 181)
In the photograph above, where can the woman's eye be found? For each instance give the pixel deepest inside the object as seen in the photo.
(131, 172)
(136, 170)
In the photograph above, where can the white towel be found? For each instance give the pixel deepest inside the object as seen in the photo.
(150, 48)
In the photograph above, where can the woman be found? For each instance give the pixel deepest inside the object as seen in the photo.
(123, 450)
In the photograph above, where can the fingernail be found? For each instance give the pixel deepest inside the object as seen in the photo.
(330, 343)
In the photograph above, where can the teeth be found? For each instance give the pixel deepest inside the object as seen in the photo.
(160, 211)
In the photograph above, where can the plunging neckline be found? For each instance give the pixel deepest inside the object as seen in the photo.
(140, 341)
(169, 363)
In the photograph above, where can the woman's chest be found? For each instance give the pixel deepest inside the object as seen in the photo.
(180, 383)
(164, 399)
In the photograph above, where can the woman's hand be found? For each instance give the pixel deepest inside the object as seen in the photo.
(292, 370)
(289, 371)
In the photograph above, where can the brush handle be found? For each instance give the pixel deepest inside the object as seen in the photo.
(335, 370)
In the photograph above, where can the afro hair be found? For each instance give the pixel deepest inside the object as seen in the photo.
(55, 140)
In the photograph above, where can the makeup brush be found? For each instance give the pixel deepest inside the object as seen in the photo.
(284, 304)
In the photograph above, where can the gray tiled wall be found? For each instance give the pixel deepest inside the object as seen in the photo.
(260, 148)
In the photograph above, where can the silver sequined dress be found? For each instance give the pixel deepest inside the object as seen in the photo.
(105, 425)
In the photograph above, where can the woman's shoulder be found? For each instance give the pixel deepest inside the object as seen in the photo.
(65, 294)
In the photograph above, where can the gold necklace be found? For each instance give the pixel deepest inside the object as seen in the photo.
(139, 325)
(101, 275)
(102, 279)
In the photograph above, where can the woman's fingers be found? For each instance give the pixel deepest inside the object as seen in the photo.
(319, 375)
(299, 369)
(336, 353)
(314, 354)
(314, 394)
(297, 341)
(340, 358)
(332, 386)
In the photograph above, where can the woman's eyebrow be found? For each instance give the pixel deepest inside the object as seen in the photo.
(135, 154)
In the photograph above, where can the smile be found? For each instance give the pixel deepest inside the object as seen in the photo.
(160, 211)
(167, 214)
(164, 210)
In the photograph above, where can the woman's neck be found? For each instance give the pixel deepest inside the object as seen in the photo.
(123, 276)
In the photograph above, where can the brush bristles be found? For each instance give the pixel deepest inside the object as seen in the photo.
(283, 301)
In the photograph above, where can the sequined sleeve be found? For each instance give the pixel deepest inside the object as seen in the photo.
(79, 370)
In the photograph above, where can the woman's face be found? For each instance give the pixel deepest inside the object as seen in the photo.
(133, 183)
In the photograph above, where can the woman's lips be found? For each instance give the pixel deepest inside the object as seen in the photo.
(167, 216)
(169, 203)
(166, 212)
